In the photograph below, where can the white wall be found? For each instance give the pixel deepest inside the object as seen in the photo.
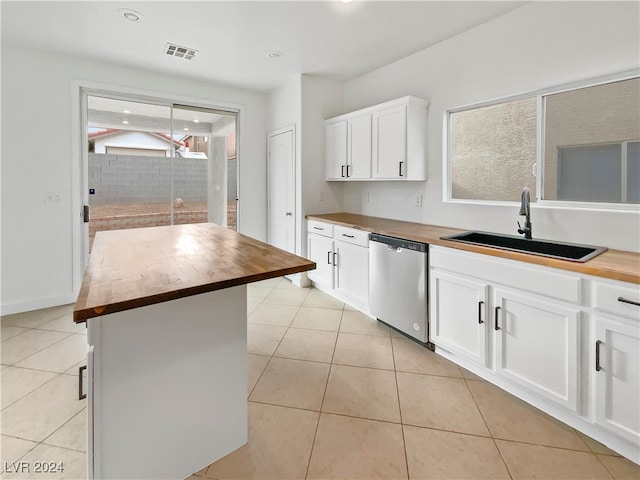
(285, 110)
(321, 99)
(37, 159)
(305, 101)
(539, 45)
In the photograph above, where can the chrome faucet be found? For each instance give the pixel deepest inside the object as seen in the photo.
(525, 210)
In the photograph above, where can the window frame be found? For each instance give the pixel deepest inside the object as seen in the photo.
(540, 94)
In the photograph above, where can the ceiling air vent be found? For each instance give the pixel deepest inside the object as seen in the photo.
(178, 51)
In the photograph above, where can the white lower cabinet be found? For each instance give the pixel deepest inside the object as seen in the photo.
(320, 250)
(342, 262)
(617, 376)
(566, 342)
(536, 345)
(459, 315)
(352, 271)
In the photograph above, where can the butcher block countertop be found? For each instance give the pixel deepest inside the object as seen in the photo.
(143, 266)
(613, 264)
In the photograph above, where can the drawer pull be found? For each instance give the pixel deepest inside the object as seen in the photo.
(81, 396)
(630, 302)
(480, 307)
(318, 228)
(348, 236)
(598, 367)
(497, 314)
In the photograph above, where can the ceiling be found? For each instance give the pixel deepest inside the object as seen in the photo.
(336, 40)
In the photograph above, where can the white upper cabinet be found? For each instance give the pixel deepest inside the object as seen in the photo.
(336, 150)
(359, 148)
(383, 142)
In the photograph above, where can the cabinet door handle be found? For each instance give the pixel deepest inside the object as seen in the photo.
(335, 255)
(598, 367)
(329, 257)
(342, 173)
(318, 228)
(480, 306)
(81, 396)
(497, 314)
(348, 236)
(630, 302)
(348, 174)
(400, 168)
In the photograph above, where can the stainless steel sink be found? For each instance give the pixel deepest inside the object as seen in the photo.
(545, 248)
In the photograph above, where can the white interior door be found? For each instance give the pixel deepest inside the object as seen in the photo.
(281, 204)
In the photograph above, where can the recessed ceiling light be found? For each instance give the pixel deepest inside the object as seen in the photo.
(186, 129)
(129, 14)
(196, 121)
(126, 111)
(275, 54)
(125, 122)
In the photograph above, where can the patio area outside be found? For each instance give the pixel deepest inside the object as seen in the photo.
(120, 216)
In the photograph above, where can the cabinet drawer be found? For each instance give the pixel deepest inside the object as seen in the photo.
(351, 235)
(320, 228)
(616, 297)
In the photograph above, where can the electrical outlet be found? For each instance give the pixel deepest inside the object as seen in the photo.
(53, 198)
(419, 201)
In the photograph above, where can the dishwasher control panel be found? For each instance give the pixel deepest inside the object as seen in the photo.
(398, 242)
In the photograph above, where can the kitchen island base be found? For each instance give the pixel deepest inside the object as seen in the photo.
(167, 386)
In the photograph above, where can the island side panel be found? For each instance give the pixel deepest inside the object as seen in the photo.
(168, 390)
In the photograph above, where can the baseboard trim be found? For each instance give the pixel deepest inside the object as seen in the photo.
(36, 304)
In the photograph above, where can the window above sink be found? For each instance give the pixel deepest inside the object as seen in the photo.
(571, 146)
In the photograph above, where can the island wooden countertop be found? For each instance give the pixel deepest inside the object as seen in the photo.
(143, 266)
(613, 264)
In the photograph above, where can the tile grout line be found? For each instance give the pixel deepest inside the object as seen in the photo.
(274, 350)
(486, 424)
(61, 426)
(324, 394)
(395, 375)
(35, 353)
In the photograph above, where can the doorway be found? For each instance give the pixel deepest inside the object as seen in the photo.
(153, 163)
(281, 189)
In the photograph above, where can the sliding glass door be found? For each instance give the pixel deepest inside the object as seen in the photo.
(151, 164)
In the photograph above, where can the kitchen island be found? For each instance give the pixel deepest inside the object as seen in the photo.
(165, 309)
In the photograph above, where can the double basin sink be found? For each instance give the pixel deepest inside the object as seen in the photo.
(545, 248)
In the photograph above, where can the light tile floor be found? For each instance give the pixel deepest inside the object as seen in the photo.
(332, 394)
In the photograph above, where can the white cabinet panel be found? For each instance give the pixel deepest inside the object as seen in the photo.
(352, 271)
(320, 250)
(617, 377)
(336, 150)
(459, 315)
(359, 140)
(390, 143)
(536, 345)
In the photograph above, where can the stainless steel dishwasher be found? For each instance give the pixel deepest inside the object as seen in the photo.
(398, 282)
